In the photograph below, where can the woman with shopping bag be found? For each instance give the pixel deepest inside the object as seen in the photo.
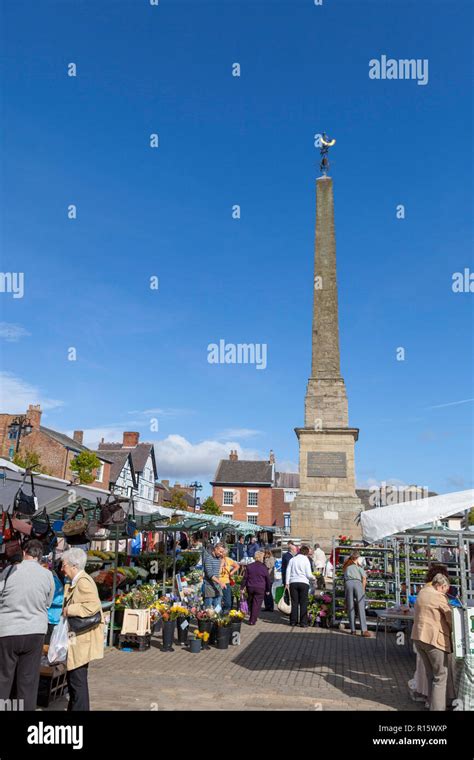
(83, 612)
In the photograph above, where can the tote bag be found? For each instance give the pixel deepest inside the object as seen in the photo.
(284, 605)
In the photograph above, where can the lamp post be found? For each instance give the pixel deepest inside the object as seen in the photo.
(197, 487)
(19, 426)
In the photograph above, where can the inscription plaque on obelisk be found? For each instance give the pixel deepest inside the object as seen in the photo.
(326, 504)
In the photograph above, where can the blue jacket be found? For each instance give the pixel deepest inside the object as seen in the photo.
(238, 552)
(54, 612)
(252, 548)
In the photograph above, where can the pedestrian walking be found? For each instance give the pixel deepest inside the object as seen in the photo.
(299, 576)
(81, 600)
(269, 562)
(26, 592)
(355, 581)
(258, 585)
(431, 634)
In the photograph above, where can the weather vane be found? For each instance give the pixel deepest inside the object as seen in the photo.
(326, 143)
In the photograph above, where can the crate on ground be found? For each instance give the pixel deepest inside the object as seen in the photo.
(137, 622)
(52, 683)
(139, 641)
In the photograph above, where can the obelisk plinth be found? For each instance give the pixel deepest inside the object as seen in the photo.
(326, 504)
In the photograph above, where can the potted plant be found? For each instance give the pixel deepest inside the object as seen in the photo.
(182, 622)
(197, 641)
(223, 632)
(205, 620)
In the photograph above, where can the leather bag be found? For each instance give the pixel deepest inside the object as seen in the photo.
(25, 504)
(42, 530)
(12, 547)
(80, 625)
(73, 527)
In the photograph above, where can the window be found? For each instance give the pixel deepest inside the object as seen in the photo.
(252, 498)
(228, 514)
(289, 495)
(12, 435)
(228, 498)
(100, 473)
(252, 519)
(287, 520)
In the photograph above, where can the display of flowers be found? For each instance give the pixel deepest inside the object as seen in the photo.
(173, 611)
(207, 614)
(319, 609)
(202, 635)
(345, 540)
(236, 615)
(223, 620)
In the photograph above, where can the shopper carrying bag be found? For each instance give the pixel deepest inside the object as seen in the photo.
(83, 611)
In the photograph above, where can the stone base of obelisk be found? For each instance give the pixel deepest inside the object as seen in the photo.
(327, 504)
(317, 518)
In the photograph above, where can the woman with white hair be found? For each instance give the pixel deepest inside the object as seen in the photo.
(83, 610)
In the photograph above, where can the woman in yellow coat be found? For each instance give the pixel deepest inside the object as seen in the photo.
(81, 599)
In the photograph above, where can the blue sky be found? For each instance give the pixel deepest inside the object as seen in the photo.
(225, 140)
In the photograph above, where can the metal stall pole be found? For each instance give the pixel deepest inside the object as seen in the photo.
(165, 557)
(174, 562)
(464, 565)
(114, 588)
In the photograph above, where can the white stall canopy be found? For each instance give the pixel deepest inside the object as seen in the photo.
(380, 522)
(52, 493)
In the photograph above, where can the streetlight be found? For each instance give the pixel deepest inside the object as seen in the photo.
(197, 487)
(17, 427)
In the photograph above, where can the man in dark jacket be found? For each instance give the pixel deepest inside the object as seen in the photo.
(253, 547)
(289, 554)
(238, 552)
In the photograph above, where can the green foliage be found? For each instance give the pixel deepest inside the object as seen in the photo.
(29, 460)
(84, 465)
(470, 517)
(210, 507)
(186, 560)
(178, 500)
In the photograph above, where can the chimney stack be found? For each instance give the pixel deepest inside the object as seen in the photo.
(233, 456)
(78, 436)
(166, 483)
(130, 440)
(33, 415)
(272, 457)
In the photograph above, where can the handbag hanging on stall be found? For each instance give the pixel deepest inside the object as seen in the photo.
(12, 546)
(111, 513)
(23, 503)
(75, 530)
(42, 530)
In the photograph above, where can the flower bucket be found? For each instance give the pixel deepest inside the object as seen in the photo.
(213, 636)
(234, 633)
(205, 626)
(182, 632)
(222, 636)
(168, 634)
(195, 645)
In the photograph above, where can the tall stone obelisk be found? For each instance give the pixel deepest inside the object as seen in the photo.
(327, 504)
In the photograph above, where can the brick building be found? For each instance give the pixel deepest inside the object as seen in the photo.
(252, 490)
(54, 449)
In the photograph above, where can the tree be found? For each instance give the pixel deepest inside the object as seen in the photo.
(210, 507)
(470, 517)
(29, 460)
(178, 500)
(84, 465)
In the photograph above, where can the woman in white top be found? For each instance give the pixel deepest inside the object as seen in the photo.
(298, 578)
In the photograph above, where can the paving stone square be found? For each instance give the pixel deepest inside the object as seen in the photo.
(275, 668)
